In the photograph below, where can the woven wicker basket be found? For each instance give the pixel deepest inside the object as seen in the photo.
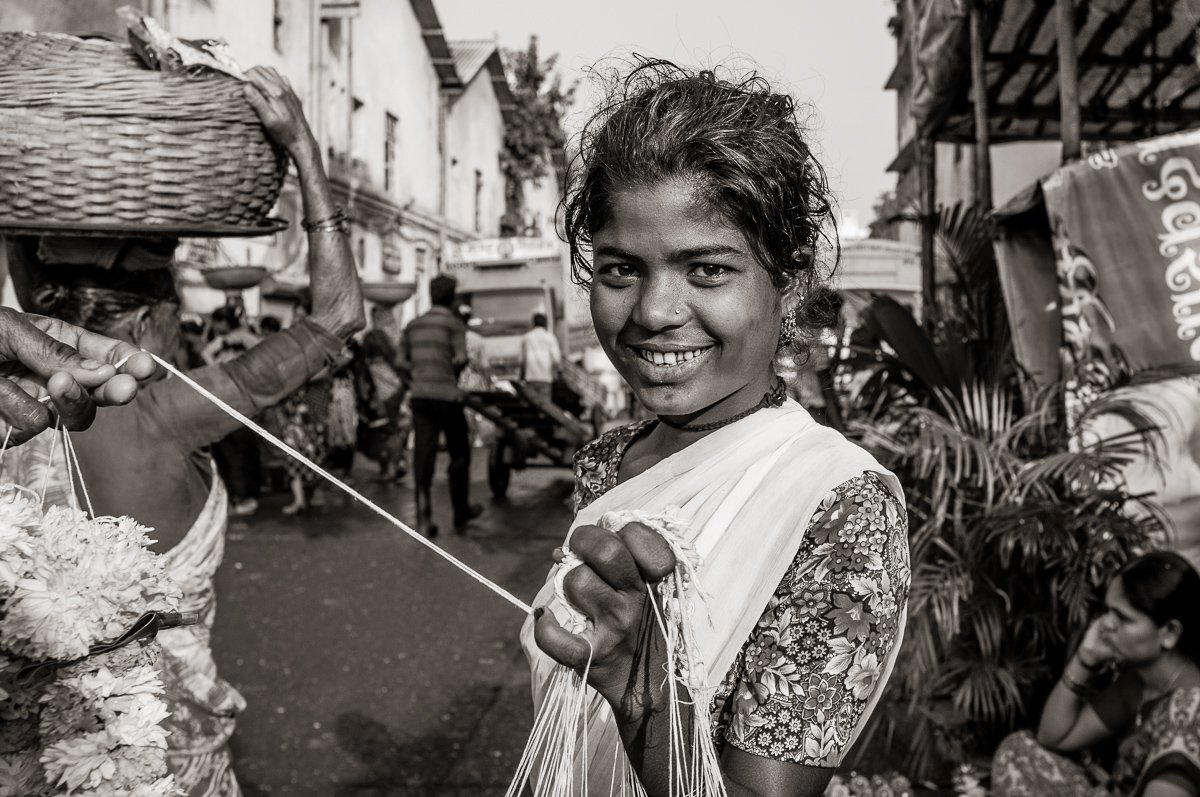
(92, 141)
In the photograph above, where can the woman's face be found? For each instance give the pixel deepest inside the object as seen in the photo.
(1132, 634)
(681, 306)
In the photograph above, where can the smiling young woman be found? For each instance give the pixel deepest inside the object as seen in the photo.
(698, 219)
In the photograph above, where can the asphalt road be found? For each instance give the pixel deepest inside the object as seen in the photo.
(371, 667)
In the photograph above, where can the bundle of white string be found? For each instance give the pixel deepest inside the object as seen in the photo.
(556, 757)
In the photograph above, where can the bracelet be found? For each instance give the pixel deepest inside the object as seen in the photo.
(338, 222)
(1078, 687)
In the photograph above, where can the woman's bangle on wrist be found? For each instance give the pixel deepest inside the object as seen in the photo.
(338, 222)
(1080, 688)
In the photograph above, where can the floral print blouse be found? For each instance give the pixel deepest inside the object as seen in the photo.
(809, 669)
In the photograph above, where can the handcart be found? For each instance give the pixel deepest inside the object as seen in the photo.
(532, 431)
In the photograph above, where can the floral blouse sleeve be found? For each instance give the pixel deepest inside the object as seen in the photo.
(807, 673)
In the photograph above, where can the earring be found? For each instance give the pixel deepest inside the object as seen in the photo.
(789, 330)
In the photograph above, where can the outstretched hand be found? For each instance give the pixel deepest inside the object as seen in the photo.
(44, 357)
(622, 640)
(275, 101)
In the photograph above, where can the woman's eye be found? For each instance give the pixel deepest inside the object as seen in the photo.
(617, 272)
(710, 273)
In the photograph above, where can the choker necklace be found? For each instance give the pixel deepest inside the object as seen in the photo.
(772, 398)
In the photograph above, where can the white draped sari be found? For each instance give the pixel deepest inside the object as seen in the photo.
(747, 493)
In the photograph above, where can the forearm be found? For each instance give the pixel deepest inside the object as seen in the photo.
(256, 379)
(1065, 705)
(333, 277)
(647, 745)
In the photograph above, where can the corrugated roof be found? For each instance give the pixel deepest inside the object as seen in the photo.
(435, 43)
(470, 55)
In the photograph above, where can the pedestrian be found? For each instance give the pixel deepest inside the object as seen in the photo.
(814, 378)
(476, 377)
(148, 459)
(541, 358)
(433, 351)
(696, 216)
(383, 416)
(342, 425)
(237, 455)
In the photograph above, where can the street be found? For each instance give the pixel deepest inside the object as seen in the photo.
(372, 667)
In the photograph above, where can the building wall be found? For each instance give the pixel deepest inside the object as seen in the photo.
(392, 73)
(474, 141)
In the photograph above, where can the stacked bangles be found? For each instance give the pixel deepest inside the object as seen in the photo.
(338, 222)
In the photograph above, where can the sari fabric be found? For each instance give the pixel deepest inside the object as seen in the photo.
(1164, 742)
(203, 707)
(747, 492)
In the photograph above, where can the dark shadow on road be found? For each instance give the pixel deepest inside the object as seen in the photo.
(421, 766)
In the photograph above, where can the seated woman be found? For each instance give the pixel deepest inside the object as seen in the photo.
(1149, 639)
(149, 459)
(696, 214)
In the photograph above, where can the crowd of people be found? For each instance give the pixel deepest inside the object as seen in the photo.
(356, 405)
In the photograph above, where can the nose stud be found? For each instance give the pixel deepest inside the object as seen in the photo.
(678, 311)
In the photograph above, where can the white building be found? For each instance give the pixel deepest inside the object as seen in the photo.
(410, 129)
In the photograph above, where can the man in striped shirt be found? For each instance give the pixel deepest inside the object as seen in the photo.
(434, 351)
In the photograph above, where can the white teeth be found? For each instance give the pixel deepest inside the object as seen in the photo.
(668, 357)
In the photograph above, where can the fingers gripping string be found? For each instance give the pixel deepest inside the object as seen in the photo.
(336, 482)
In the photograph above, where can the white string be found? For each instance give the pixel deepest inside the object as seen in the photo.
(50, 461)
(329, 477)
(4, 449)
(73, 460)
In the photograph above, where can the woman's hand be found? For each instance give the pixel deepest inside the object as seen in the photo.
(1094, 651)
(44, 357)
(622, 640)
(276, 103)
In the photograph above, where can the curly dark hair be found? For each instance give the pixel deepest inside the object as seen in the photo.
(744, 146)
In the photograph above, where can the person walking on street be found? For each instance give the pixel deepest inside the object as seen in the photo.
(434, 351)
(540, 358)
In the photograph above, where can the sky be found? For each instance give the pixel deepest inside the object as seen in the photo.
(833, 54)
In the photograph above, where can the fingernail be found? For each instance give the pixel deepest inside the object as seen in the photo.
(538, 612)
(74, 392)
(91, 365)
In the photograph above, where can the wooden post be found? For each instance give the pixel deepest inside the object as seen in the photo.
(979, 92)
(1068, 82)
(927, 154)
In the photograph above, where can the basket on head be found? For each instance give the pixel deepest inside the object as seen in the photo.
(91, 141)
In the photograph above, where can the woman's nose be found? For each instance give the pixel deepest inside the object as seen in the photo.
(661, 304)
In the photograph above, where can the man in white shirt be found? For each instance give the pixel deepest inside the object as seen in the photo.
(540, 357)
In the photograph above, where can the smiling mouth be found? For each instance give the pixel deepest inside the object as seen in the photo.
(668, 359)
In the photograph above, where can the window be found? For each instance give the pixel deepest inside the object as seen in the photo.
(478, 199)
(389, 152)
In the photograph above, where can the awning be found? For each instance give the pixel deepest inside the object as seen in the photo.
(1138, 73)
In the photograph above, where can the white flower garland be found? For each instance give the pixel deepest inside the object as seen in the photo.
(93, 725)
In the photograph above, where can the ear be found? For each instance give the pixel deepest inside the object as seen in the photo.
(1169, 634)
(139, 323)
(789, 299)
